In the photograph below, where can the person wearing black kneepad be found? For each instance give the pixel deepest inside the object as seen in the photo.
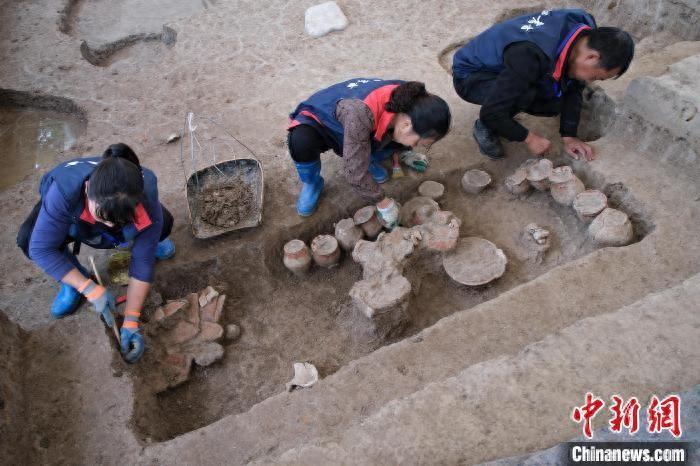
(537, 64)
(105, 202)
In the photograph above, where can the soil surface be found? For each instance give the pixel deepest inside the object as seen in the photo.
(249, 63)
(225, 205)
(287, 319)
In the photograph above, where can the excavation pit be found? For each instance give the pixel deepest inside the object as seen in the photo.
(286, 318)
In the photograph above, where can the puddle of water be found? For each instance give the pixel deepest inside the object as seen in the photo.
(30, 140)
(103, 21)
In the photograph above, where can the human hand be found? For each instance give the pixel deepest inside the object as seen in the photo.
(101, 299)
(577, 149)
(538, 145)
(415, 160)
(132, 344)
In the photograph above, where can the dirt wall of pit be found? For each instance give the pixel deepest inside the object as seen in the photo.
(13, 436)
(645, 17)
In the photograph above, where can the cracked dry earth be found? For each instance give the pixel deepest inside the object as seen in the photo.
(609, 320)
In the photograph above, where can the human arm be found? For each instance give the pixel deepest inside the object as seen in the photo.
(51, 229)
(358, 123)
(524, 65)
(570, 117)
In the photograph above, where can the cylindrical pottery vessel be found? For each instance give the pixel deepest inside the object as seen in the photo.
(417, 211)
(517, 182)
(475, 181)
(389, 210)
(611, 228)
(325, 251)
(564, 185)
(538, 174)
(348, 234)
(589, 204)
(297, 257)
(431, 189)
(366, 218)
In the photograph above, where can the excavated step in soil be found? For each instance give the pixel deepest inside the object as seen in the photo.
(311, 318)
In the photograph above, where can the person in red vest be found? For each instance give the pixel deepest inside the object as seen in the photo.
(365, 121)
(105, 202)
(537, 64)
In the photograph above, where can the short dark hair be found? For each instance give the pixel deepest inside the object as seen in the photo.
(430, 114)
(615, 46)
(116, 185)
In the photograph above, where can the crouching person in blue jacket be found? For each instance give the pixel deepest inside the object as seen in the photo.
(104, 202)
(537, 64)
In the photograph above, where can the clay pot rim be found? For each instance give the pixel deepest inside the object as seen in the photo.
(367, 211)
(611, 214)
(438, 187)
(562, 174)
(325, 248)
(497, 252)
(480, 175)
(350, 221)
(536, 171)
(589, 193)
(292, 243)
(519, 176)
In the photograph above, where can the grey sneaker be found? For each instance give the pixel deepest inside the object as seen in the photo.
(489, 144)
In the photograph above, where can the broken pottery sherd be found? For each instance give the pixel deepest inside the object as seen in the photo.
(348, 234)
(170, 314)
(207, 295)
(475, 261)
(517, 182)
(325, 251)
(589, 204)
(475, 181)
(212, 311)
(297, 257)
(611, 228)
(305, 376)
(210, 331)
(564, 185)
(431, 189)
(208, 353)
(536, 241)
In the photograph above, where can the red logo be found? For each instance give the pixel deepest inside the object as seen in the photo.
(661, 414)
(665, 415)
(587, 412)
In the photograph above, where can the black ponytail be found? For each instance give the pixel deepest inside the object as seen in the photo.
(430, 114)
(116, 185)
(123, 151)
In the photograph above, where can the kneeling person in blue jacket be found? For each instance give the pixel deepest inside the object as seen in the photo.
(537, 64)
(104, 202)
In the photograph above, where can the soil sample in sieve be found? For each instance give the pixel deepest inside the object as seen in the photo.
(226, 205)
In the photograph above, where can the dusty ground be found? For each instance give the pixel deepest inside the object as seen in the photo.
(249, 63)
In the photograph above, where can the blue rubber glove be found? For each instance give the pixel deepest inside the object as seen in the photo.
(132, 341)
(101, 299)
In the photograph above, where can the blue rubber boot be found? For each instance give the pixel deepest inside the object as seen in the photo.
(68, 298)
(378, 172)
(312, 185)
(165, 249)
